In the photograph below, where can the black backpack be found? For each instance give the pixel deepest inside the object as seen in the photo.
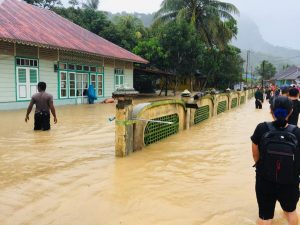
(277, 150)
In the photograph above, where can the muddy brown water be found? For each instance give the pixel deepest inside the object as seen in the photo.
(69, 176)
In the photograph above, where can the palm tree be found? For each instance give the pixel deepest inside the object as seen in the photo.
(91, 4)
(210, 18)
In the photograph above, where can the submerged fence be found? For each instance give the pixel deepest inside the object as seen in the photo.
(146, 123)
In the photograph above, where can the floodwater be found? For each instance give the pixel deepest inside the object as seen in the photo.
(69, 176)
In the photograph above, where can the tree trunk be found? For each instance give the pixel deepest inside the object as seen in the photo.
(191, 84)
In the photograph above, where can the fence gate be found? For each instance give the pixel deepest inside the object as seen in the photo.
(201, 114)
(158, 131)
(234, 103)
(222, 106)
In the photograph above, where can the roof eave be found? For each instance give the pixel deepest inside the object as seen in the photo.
(142, 61)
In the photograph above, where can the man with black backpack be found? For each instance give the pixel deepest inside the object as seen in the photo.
(275, 149)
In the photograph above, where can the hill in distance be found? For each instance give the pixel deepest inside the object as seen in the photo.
(250, 38)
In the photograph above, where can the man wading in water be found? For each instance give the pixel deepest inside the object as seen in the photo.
(43, 102)
(275, 149)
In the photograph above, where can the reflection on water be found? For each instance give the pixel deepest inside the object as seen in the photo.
(70, 176)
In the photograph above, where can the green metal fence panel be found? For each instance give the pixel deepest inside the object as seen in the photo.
(222, 107)
(242, 99)
(157, 131)
(234, 103)
(201, 114)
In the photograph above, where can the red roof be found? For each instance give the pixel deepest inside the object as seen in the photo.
(26, 23)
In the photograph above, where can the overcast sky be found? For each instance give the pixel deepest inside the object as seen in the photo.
(278, 21)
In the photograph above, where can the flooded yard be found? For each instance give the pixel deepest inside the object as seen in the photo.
(70, 176)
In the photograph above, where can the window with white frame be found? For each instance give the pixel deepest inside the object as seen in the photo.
(75, 80)
(72, 84)
(27, 75)
(63, 85)
(97, 81)
(99, 85)
(119, 77)
(81, 84)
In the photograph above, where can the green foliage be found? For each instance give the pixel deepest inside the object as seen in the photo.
(91, 4)
(130, 31)
(209, 17)
(94, 21)
(73, 3)
(223, 68)
(152, 50)
(183, 47)
(47, 4)
(266, 70)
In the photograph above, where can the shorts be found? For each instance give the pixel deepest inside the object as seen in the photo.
(267, 193)
(42, 120)
(258, 104)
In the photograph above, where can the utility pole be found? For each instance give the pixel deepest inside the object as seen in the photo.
(247, 64)
(252, 77)
(263, 73)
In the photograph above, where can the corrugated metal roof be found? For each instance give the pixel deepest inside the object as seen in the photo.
(25, 23)
(289, 72)
(292, 76)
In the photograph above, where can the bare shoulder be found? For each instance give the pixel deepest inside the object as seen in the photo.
(36, 95)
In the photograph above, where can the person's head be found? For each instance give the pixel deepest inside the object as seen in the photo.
(285, 91)
(281, 109)
(42, 86)
(293, 92)
(277, 92)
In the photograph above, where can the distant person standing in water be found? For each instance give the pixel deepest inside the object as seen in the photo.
(44, 104)
(294, 96)
(268, 93)
(259, 98)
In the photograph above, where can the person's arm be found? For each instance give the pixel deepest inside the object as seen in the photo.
(53, 111)
(255, 152)
(30, 106)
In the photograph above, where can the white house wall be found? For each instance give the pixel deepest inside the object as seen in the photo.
(48, 75)
(129, 77)
(109, 81)
(7, 79)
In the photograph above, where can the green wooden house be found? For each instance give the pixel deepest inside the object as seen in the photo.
(38, 45)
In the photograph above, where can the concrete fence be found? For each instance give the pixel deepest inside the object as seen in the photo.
(146, 123)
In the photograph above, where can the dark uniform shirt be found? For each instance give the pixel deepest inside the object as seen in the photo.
(293, 119)
(259, 95)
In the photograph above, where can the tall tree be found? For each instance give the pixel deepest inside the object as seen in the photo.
(73, 3)
(129, 30)
(223, 68)
(47, 4)
(208, 16)
(92, 20)
(266, 70)
(91, 4)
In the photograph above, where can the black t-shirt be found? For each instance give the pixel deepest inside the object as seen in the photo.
(262, 128)
(259, 95)
(293, 119)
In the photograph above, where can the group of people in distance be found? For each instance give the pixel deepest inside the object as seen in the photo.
(276, 153)
(272, 92)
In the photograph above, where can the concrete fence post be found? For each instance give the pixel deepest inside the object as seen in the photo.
(124, 121)
(186, 98)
